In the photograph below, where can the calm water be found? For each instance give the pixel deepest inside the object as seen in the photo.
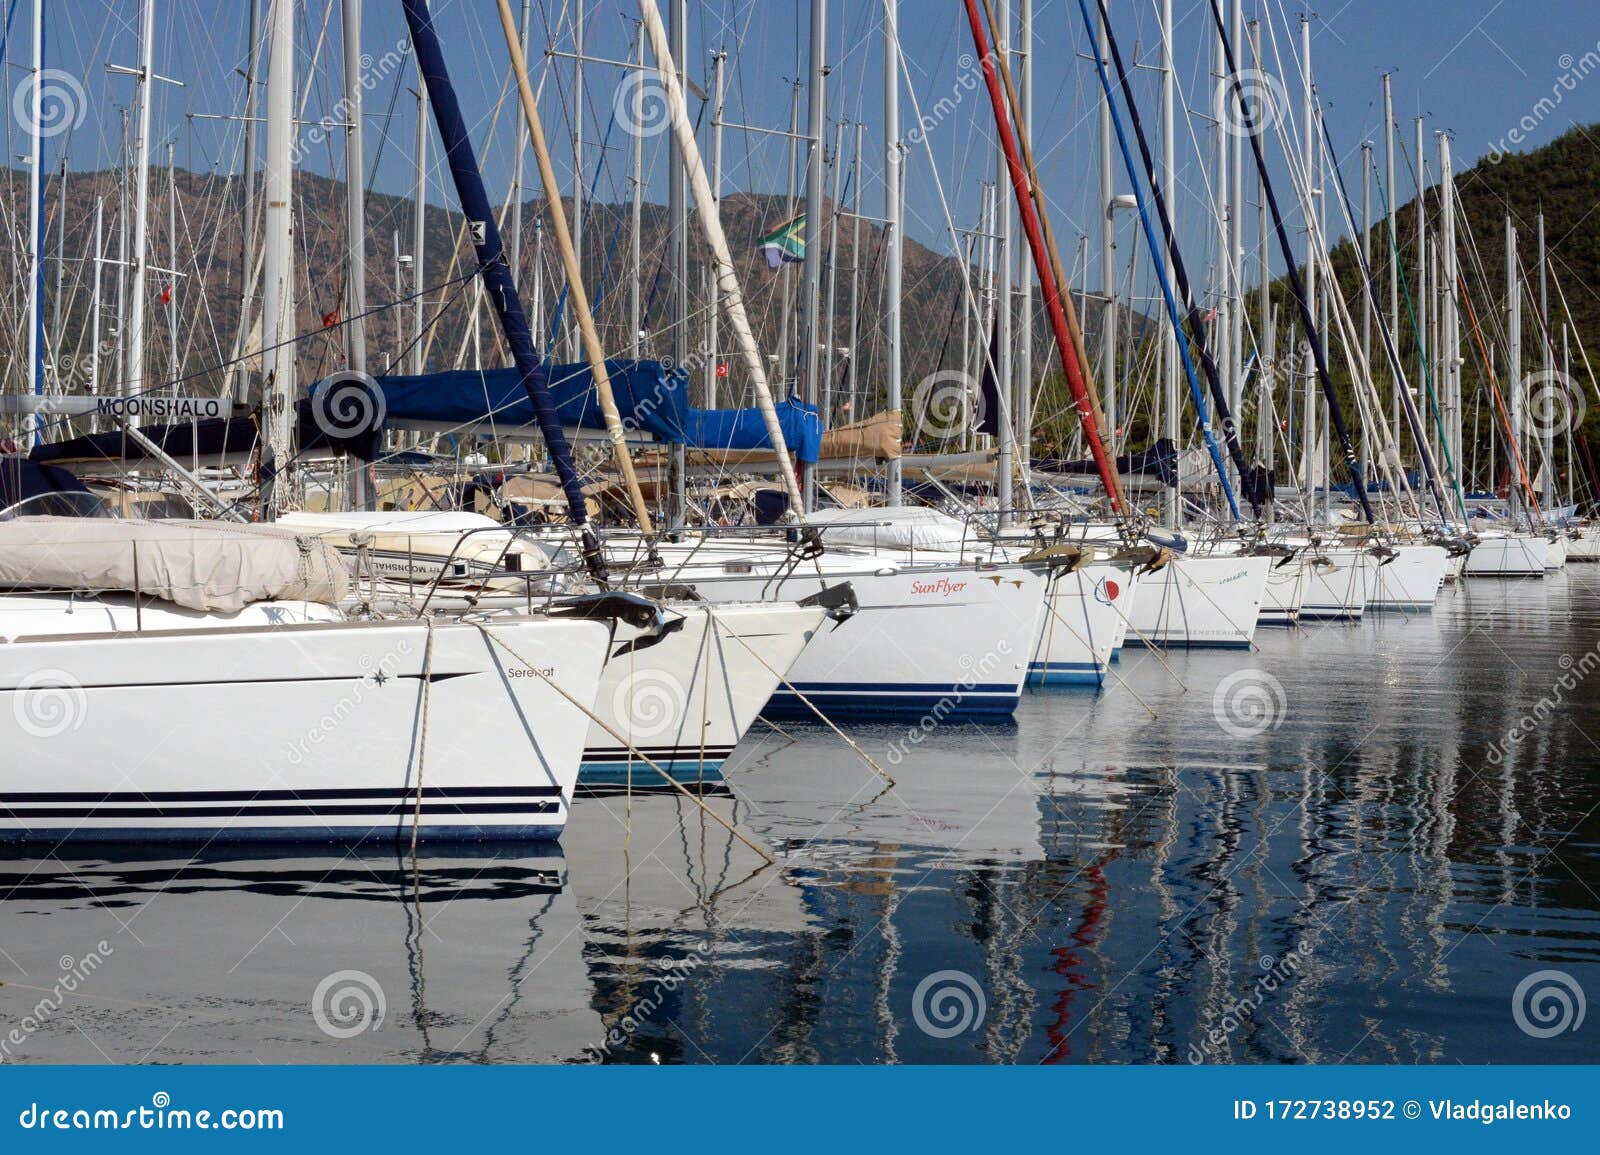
(1353, 864)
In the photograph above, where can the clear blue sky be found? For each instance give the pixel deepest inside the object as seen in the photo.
(1474, 68)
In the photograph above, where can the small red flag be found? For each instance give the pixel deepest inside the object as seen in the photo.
(329, 320)
(166, 294)
(722, 368)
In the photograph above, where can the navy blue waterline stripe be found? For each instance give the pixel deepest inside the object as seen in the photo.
(394, 809)
(399, 792)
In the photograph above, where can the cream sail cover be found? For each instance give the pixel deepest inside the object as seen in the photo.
(200, 565)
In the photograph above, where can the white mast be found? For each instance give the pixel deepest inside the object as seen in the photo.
(1422, 286)
(1236, 227)
(355, 210)
(1169, 341)
(1448, 323)
(828, 325)
(1023, 419)
(143, 94)
(518, 195)
(94, 310)
(1514, 358)
(1005, 443)
(719, 69)
(277, 296)
(1108, 260)
(811, 323)
(419, 231)
(36, 213)
(894, 159)
(1308, 430)
(1546, 427)
(727, 279)
(247, 259)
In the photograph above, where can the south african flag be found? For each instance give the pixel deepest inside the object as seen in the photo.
(786, 244)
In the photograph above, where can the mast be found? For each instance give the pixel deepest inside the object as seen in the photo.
(1006, 440)
(811, 324)
(829, 325)
(493, 270)
(1108, 259)
(711, 222)
(1267, 337)
(1449, 321)
(517, 193)
(419, 229)
(1309, 441)
(1514, 354)
(578, 42)
(853, 331)
(1366, 252)
(143, 93)
(636, 198)
(1221, 333)
(786, 363)
(678, 248)
(719, 64)
(1169, 338)
(1023, 407)
(1546, 427)
(121, 369)
(355, 215)
(56, 328)
(1422, 259)
(277, 288)
(569, 257)
(95, 308)
(36, 218)
(894, 158)
(170, 290)
(247, 230)
(1394, 230)
(1236, 226)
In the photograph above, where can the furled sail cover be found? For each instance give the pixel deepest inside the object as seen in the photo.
(651, 398)
(199, 565)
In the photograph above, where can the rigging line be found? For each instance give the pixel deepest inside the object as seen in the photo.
(1156, 249)
(1297, 287)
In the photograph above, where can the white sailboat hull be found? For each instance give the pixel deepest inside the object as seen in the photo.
(1336, 584)
(1201, 600)
(1084, 623)
(1515, 555)
(319, 732)
(1410, 581)
(1285, 592)
(686, 700)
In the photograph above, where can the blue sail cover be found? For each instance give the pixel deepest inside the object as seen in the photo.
(651, 398)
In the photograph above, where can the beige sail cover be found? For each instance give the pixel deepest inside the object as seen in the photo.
(200, 565)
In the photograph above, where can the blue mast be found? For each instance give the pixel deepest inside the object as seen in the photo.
(492, 266)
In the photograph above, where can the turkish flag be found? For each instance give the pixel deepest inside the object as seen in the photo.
(166, 294)
(722, 368)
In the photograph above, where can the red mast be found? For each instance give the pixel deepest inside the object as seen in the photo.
(1041, 264)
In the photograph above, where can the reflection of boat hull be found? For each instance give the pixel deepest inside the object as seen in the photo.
(686, 699)
(351, 954)
(296, 732)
